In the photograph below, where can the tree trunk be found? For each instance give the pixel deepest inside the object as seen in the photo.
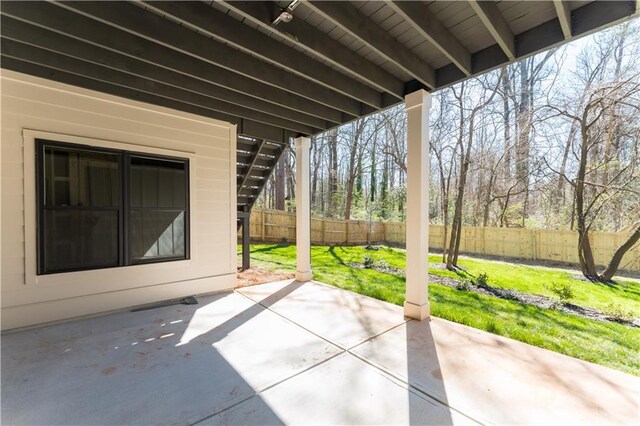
(506, 119)
(612, 268)
(352, 170)
(487, 200)
(457, 212)
(585, 254)
(333, 171)
(560, 195)
(316, 147)
(291, 183)
(372, 180)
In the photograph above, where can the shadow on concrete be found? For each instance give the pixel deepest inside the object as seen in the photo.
(423, 367)
(137, 367)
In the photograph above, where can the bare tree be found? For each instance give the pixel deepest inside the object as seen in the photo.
(591, 197)
(465, 159)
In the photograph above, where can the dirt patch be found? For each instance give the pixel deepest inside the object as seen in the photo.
(255, 276)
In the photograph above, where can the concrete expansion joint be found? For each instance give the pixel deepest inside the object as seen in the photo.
(290, 321)
(410, 387)
(350, 350)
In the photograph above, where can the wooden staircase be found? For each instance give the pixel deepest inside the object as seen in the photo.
(255, 161)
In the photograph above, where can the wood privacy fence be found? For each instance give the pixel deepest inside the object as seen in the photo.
(527, 244)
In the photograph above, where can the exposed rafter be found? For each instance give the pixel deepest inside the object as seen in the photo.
(84, 30)
(316, 42)
(420, 17)
(13, 30)
(352, 21)
(586, 19)
(51, 60)
(255, 129)
(136, 20)
(273, 81)
(564, 16)
(225, 29)
(493, 20)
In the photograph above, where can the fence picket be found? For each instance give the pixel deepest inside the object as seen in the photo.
(528, 244)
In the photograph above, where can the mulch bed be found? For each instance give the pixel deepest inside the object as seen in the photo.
(539, 301)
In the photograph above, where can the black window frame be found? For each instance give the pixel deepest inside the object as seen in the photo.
(124, 207)
(129, 208)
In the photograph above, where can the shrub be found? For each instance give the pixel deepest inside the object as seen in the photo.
(382, 264)
(482, 280)
(464, 285)
(369, 261)
(618, 313)
(563, 291)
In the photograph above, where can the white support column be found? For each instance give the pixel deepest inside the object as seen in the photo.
(416, 304)
(303, 210)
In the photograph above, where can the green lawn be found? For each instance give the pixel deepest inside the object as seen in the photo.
(534, 280)
(610, 344)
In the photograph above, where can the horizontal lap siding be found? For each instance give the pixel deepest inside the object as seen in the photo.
(37, 104)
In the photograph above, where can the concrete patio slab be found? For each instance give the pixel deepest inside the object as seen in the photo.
(343, 390)
(172, 365)
(343, 317)
(231, 360)
(503, 381)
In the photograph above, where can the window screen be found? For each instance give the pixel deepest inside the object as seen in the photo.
(158, 199)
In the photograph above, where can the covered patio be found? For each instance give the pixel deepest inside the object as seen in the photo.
(296, 353)
(210, 94)
(259, 75)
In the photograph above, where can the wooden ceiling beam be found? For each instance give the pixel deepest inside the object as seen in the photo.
(55, 61)
(110, 39)
(422, 20)
(135, 20)
(12, 29)
(586, 19)
(347, 17)
(224, 28)
(317, 43)
(495, 23)
(245, 126)
(564, 16)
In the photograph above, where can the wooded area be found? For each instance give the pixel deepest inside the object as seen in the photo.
(550, 142)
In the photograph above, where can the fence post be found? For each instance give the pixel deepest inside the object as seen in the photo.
(323, 228)
(262, 226)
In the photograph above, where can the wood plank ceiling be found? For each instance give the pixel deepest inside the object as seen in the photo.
(333, 62)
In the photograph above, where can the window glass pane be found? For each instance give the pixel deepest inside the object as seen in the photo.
(157, 234)
(80, 178)
(76, 239)
(157, 183)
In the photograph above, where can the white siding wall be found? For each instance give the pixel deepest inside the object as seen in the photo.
(33, 107)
